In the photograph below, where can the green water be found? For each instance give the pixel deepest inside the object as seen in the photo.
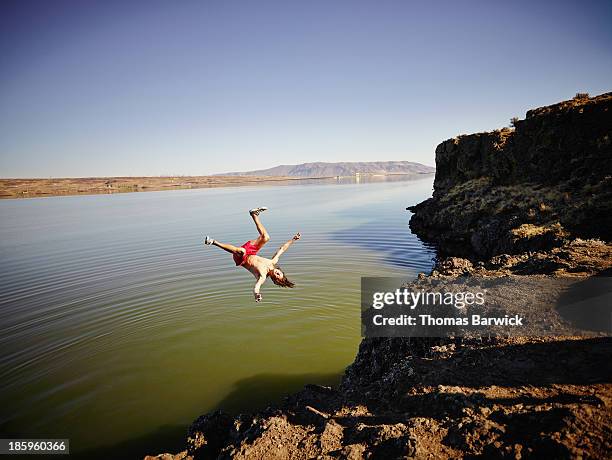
(119, 327)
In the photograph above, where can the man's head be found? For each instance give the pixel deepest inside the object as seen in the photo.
(278, 277)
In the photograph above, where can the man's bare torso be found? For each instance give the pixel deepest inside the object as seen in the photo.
(257, 265)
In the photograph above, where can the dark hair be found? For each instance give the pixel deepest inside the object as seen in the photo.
(283, 282)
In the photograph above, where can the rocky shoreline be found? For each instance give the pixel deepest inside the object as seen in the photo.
(533, 200)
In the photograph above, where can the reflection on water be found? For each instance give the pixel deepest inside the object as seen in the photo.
(363, 179)
(120, 327)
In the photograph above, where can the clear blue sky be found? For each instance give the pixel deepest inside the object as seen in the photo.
(197, 87)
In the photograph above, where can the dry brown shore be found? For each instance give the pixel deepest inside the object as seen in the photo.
(31, 188)
(28, 188)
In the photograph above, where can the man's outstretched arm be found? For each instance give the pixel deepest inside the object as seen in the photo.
(284, 247)
(257, 287)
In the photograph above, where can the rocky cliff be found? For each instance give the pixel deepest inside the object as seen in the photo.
(565, 142)
(513, 190)
(522, 202)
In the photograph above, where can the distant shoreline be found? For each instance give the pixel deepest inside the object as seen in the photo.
(37, 188)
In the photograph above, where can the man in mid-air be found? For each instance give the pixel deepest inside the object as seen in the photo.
(246, 256)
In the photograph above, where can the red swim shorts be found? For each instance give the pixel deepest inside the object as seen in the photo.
(251, 249)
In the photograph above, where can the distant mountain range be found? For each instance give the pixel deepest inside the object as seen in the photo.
(321, 169)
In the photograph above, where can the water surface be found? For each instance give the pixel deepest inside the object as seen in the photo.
(119, 327)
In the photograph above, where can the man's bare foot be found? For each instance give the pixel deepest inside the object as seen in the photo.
(256, 211)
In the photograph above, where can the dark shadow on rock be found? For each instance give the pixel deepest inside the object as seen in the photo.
(574, 362)
(527, 428)
(436, 406)
(578, 362)
(533, 430)
(557, 399)
(587, 304)
(383, 383)
(440, 407)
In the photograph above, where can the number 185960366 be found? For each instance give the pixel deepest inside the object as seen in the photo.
(34, 446)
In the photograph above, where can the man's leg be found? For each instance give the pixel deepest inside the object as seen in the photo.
(228, 247)
(264, 237)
